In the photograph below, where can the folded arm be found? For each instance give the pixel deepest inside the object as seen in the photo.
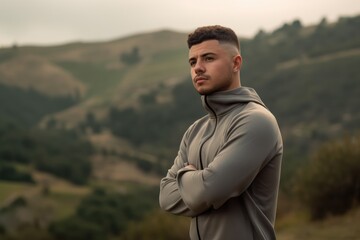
(232, 171)
(170, 198)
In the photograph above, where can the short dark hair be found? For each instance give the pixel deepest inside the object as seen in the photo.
(216, 32)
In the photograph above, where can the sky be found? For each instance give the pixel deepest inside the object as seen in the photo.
(54, 22)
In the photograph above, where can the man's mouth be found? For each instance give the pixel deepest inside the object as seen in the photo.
(200, 79)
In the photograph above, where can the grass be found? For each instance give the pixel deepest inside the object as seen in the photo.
(99, 80)
(64, 203)
(294, 225)
(332, 228)
(8, 189)
(62, 197)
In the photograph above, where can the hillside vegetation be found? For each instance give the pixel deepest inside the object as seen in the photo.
(88, 129)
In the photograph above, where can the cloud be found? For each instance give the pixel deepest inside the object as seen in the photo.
(54, 21)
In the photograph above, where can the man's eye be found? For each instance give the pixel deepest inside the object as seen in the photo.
(192, 63)
(208, 59)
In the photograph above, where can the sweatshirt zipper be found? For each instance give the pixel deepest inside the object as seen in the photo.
(200, 157)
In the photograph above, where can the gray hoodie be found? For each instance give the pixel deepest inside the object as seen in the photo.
(237, 150)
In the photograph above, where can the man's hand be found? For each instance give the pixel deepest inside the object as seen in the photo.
(189, 166)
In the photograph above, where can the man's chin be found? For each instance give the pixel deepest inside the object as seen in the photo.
(203, 91)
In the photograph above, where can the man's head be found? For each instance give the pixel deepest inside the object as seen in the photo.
(214, 59)
(220, 33)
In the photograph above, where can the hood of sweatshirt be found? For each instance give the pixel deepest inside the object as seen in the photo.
(219, 103)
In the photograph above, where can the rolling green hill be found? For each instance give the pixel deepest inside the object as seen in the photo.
(133, 87)
(307, 76)
(94, 72)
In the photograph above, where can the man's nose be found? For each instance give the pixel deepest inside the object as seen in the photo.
(199, 67)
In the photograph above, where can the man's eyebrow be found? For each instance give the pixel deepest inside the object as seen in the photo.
(202, 56)
(207, 54)
(192, 57)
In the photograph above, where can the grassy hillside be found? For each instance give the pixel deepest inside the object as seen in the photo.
(312, 89)
(27, 106)
(93, 73)
(94, 64)
(334, 227)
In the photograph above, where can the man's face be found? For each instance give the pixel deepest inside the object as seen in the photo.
(213, 67)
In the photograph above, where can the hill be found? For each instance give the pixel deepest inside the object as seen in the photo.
(132, 88)
(94, 72)
(308, 76)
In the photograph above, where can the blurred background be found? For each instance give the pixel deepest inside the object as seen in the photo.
(95, 96)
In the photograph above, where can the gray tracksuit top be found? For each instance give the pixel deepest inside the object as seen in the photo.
(237, 149)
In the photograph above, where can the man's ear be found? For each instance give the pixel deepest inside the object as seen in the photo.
(237, 61)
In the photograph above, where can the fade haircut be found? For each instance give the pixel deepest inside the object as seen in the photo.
(216, 32)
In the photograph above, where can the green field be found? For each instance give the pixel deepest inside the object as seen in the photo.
(332, 228)
(8, 189)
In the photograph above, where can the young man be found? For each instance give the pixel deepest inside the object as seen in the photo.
(227, 171)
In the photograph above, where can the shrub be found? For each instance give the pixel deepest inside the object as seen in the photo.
(132, 57)
(330, 183)
(104, 214)
(2, 229)
(160, 226)
(18, 202)
(76, 228)
(9, 172)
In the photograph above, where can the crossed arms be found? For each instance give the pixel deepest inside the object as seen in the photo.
(189, 191)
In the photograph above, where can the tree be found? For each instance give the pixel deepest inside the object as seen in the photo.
(76, 228)
(132, 57)
(103, 214)
(330, 184)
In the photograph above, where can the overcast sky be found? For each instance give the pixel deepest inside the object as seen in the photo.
(51, 22)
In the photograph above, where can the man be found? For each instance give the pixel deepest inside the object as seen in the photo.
(227, 171)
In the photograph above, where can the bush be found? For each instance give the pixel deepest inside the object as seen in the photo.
(63, 153)
(330, 183)
(2, 229)
(158, 225)
(28, 232)
(9, 172)
(104, 214)
(76, 228)
(132, 57)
